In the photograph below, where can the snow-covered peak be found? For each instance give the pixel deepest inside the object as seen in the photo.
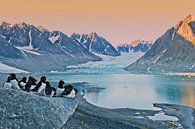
(5, 24)
(189, 19)
(76, 37)
(185, 29)
(95, 43)
(136, 42)
(135, 46)
(21, 25)
(93, 36)
(140, 41)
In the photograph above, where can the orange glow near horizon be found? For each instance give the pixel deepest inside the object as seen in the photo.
(119, 21)
(189, 97)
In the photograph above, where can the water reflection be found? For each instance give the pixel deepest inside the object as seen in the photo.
(136, 91)
(188, 97)
(179, 90)
(141, 91)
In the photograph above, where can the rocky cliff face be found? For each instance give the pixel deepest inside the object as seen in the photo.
(186, 29)
(95, 43)
(22, 110)
(174, 51)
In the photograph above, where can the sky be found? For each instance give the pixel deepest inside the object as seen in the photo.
(119, 21)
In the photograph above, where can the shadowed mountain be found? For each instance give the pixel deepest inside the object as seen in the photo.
(36, 50)
(8, 51)
(96, 44)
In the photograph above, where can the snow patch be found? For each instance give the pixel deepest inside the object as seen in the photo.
(90, 47)
(28, 49)
(148, 69)
(154, 62)
(32, 52)
(30, 37)
(53, 39)
(8, 69)
(85, 41)
(10, 40)
(162, 116)
(181, 74)
(2, 36)
(173, 35)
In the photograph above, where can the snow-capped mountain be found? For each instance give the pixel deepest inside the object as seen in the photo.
(95, 43)
(25, 36)
(173, 51)
(135, 46)
(69, 46)
(37, 49)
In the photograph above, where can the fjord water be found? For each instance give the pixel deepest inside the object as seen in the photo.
(121, 89)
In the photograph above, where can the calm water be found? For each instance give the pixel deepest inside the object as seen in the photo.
(135, 91)
(129, 90)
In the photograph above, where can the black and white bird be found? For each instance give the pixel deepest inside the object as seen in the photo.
(22, 83)
(7, 84)
(60, 89)
(14, 81)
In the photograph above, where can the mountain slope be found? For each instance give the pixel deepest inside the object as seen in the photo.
(34, 49)
(7, 50)
(174, 51)
(7, 69)
(27, 36)
(71, 47)
(94, 43)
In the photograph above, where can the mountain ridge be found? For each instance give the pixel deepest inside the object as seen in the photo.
(135, 46)
(185, 30)
(95, 43)
(35, 50)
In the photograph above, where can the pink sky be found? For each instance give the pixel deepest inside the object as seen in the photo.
(119, 21)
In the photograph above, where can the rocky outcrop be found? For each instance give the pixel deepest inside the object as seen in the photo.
(172, 52)
(186, 29)
(22, 110)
